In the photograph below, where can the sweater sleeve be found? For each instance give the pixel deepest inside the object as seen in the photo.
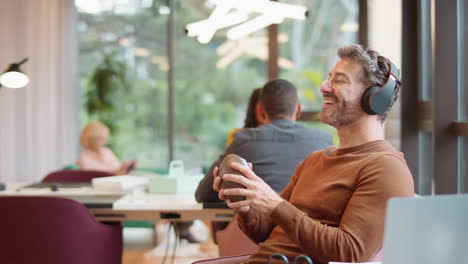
(360, 231)
(205, 192)
(258, 226)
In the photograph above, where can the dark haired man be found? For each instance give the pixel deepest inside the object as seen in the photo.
(334, 207)
(275, 148)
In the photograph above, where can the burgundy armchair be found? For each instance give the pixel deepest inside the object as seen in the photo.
(75, 175)
(55, 230)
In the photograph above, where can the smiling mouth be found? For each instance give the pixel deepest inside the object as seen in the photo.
(329, 99)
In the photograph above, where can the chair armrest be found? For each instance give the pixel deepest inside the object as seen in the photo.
(224, 260)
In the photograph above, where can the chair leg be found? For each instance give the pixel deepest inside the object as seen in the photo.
(155, 236)
(182, 230)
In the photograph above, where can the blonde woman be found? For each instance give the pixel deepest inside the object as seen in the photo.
(95, 154)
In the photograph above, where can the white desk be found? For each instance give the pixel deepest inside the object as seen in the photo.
(111, 206)
(154, 207)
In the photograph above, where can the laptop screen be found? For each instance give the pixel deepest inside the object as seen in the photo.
(429, 230)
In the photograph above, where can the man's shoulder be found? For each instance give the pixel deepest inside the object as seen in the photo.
(379, 155)
(270, 129)
(311, 139)
(313, 136)
(392, 158)
(381, 150)
(313, 131)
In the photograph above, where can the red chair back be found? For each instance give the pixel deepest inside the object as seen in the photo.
(55, 230)
(224, 260)
(232, 241)
(75, 175)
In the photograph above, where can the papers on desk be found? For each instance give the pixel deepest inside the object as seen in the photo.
(119, 183)
(157, 202)
(64, 187)
(175, 184)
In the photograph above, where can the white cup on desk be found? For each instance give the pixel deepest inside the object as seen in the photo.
(138, 192)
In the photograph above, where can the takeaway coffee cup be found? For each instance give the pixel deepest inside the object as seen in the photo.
(226, 168)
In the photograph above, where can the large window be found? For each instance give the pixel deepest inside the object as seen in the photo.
(211, 86)
(310, 45)
(311, 48)
(211, 92)
(125, 40)
(435, 61)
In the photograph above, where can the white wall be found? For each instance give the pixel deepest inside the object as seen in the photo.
(385, 32)
(38, 124)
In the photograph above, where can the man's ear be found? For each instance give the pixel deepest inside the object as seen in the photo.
(298, 111)
(261, 113)
(259, 118)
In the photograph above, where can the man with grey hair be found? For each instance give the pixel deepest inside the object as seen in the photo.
(334, 207)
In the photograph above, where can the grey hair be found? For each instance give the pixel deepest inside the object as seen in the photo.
(375, 69)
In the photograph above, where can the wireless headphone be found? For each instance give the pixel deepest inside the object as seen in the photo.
(377, 99)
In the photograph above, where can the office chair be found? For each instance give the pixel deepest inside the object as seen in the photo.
(243, 253)
(75, 175)
(224, 260)
(378, 257)
(87, 176)
(54, 230)
(232, 241)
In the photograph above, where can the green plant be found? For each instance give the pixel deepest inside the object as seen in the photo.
(107, 84)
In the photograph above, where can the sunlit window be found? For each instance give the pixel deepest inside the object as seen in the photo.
(310, 45)
(125, 43)
(123, 68)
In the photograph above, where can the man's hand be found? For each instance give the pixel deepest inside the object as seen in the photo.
(216, 187)
(217, 180)
(259, 195)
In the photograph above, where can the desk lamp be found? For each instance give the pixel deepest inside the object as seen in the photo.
(13, 77)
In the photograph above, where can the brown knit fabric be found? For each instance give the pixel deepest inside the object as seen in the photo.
(334, 206)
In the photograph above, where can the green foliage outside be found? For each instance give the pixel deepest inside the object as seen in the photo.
(107, 85)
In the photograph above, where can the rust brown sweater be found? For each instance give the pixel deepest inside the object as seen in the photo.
(334, 206)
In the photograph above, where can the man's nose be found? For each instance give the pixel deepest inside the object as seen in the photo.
(326, 87)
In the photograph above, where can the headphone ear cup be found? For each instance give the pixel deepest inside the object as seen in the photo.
(367, 98)
(377, 100)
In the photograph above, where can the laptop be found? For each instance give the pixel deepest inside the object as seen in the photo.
(429, 230)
